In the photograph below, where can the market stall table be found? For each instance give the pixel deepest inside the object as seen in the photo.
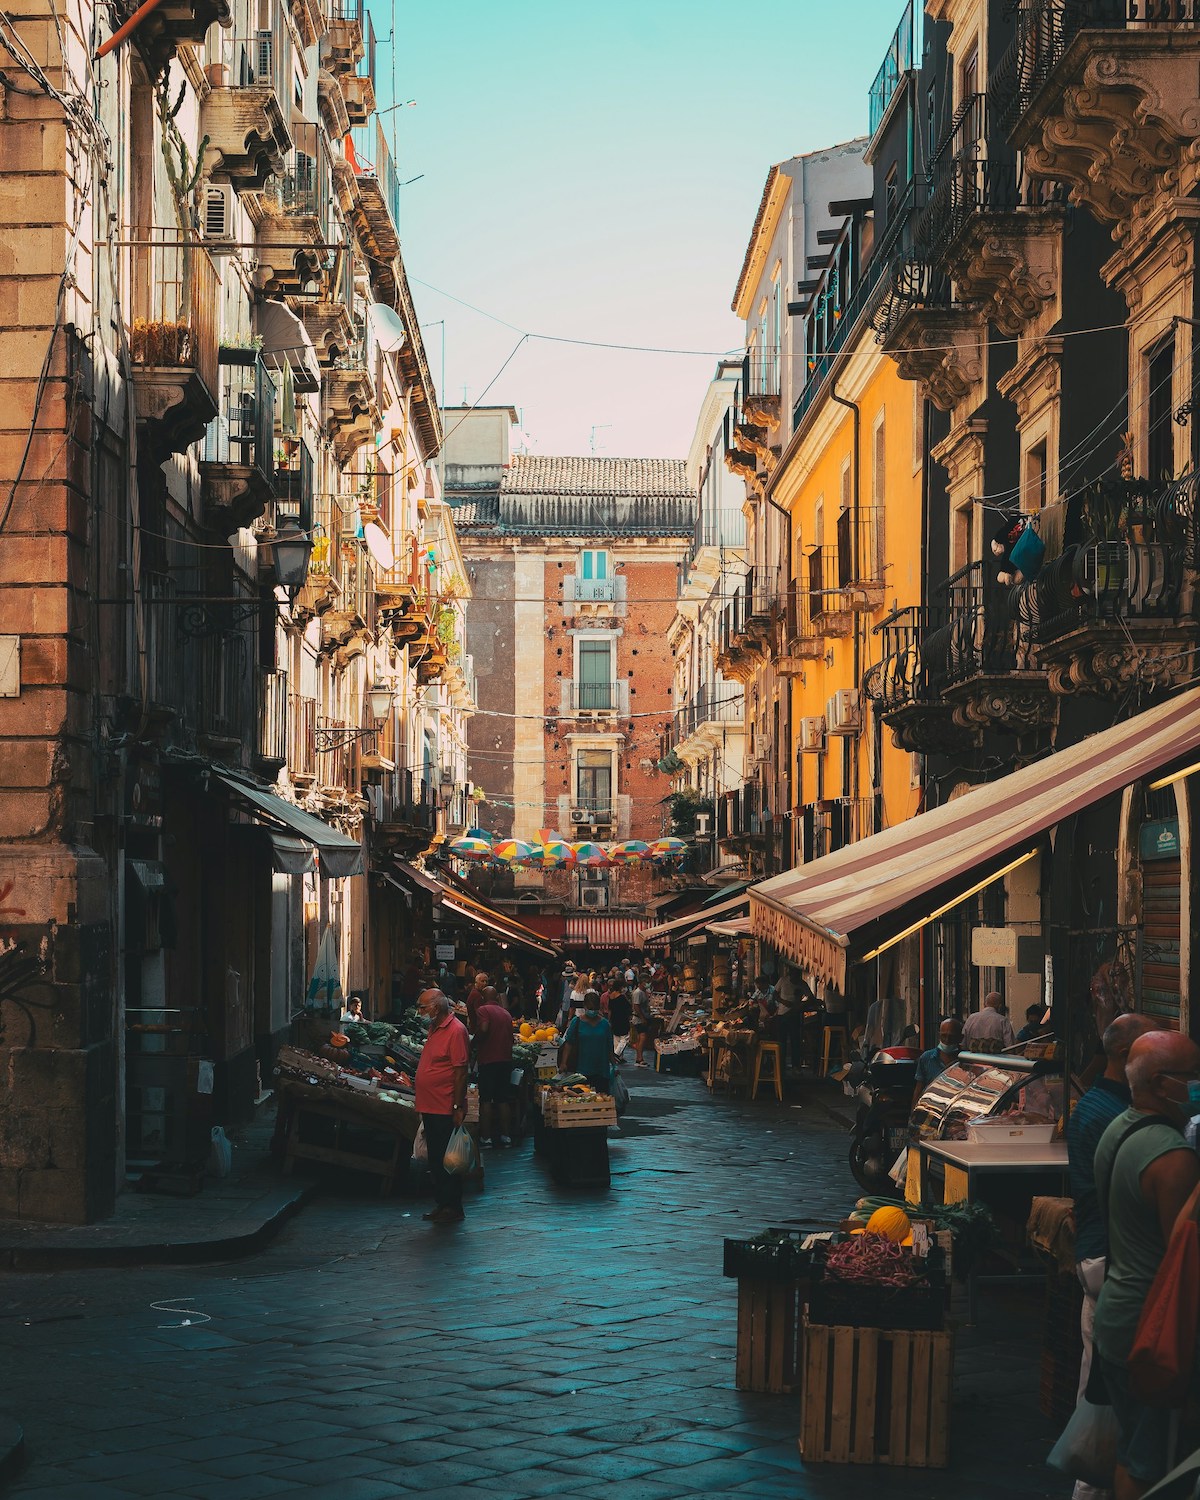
(349, 1110)
(1007, 1174)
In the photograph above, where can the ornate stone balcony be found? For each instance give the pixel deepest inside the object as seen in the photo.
(1101, 95)
(981, 657)
(1116, 611)
(247, 134)
(351, 409)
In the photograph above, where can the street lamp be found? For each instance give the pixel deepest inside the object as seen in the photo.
(379, 705)
(291, 549)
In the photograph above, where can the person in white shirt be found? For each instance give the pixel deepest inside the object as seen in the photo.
(988, 1029)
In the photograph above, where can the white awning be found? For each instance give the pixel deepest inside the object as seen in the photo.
(680, 927)
(285, 338)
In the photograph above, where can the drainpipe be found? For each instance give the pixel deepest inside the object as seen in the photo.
(854, 519)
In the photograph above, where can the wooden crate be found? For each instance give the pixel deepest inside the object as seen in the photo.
(579, 1114)
(768, 1336)
(876, 1396)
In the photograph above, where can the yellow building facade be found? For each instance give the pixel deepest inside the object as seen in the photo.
(851, 484)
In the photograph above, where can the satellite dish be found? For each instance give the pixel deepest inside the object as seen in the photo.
(379, 546)
(389, 326)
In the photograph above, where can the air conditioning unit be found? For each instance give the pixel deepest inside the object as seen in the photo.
(216, 222)
(580, 815)
(843, 712)
(594, 896)
(812, 735)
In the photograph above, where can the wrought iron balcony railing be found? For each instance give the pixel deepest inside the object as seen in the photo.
(272, 717)
(301, 736)
(860, 543)
(1045, 30)
(1104, 582)
(977, 633)
(826, 592)
(243, 432)
(716, 703)
(223, 680)
(902, 677)
(761, 372)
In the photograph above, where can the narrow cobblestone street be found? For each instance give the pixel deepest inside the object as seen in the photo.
(552, 1345)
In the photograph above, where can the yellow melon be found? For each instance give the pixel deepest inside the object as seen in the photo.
(891, 1223)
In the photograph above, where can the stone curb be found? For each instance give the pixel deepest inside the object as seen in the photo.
(12, 1449)
(30, 1256)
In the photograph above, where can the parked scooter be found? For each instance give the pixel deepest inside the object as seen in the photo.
(883, 1085)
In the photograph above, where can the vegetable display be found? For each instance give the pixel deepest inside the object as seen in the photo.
(871, 1258)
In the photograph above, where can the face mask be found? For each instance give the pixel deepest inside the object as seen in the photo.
(950, 1051)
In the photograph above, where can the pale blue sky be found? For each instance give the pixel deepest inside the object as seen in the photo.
(594, 173)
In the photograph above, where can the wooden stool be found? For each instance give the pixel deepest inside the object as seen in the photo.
(833, 1034)
(774, 1053)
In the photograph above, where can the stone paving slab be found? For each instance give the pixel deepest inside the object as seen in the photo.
(236, 1215)
(555, 1344)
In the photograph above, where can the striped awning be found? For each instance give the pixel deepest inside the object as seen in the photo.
(841, 908)
(604, 932)
(696, 921)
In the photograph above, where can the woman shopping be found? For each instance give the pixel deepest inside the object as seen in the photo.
(588, 1046)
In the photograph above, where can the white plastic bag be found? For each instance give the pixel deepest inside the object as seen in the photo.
(460, 1152)
(420, 1151)
(620, 1092)
(220, 1155)
(1087, 1449)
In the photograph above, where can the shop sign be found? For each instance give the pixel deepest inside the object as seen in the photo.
(994, 947)
(444, 952)
(1159, 840)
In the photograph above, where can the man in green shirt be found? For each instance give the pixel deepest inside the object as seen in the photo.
(1144, 1175)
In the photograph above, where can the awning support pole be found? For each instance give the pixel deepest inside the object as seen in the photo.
(949, 906)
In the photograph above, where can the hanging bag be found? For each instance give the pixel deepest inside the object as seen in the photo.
(1164, 1347)
(460, 1152)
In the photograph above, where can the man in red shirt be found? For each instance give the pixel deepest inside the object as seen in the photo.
(475, 999)
(441, 1089)
(493, 1052)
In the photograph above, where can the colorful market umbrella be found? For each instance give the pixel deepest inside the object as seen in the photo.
(469, 848)
(593, 855)
(554, 854)
(631, 852)
(668, 849)
(512, 850)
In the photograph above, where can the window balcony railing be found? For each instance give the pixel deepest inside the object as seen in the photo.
(260, 59)
(223, 684)
(374, 167)
(410, 800)
(760, 373)
(175, 297)
(595, 590)
(846, 315)
(827, 595)
(860, 560)
(295, 473)
(272, 717)
(903, 54)
(743, 814)
(595, 697)
(598, 810)
(718, 703)
(301, 736)
(303, 190)
(243, 433)
(974, 633)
